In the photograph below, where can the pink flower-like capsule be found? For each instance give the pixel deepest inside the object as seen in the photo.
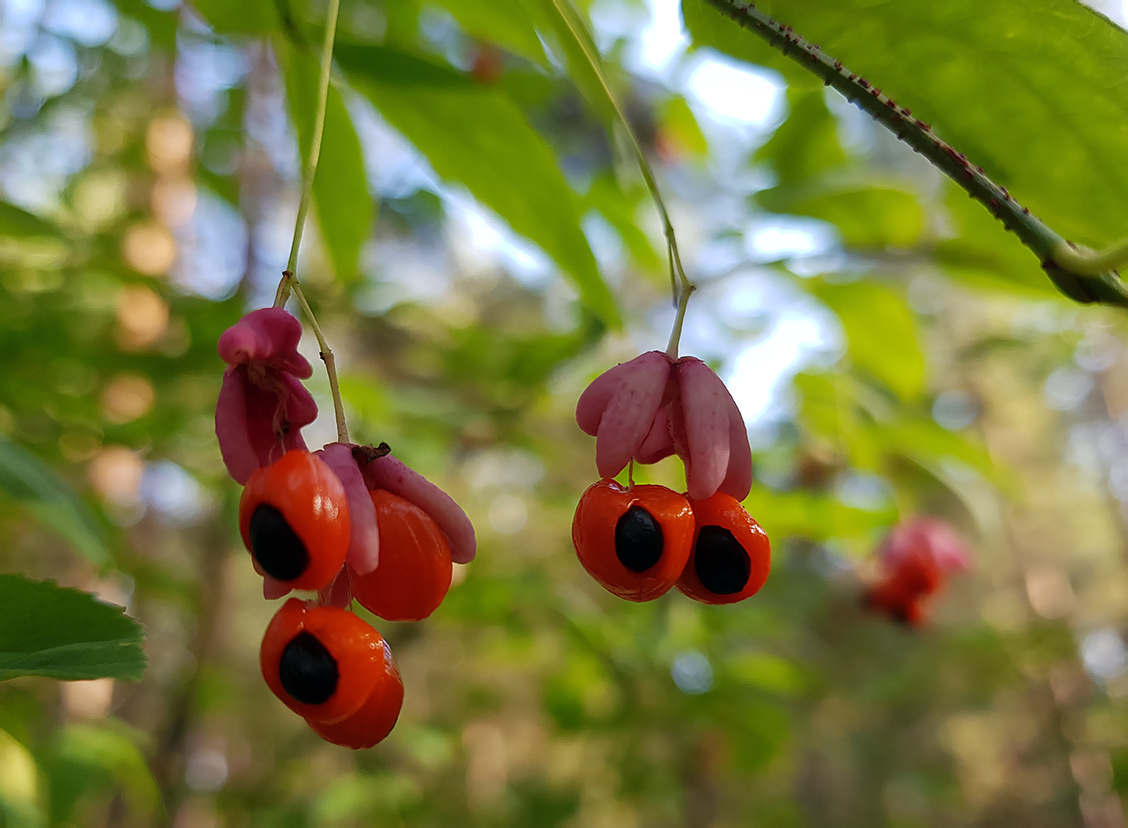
(927, 539)
(262, 403)
(383, 471)
(655, 406)
(361, 469)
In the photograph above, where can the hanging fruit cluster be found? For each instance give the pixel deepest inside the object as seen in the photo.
(638, 541)
(346, 521)
(916, 558)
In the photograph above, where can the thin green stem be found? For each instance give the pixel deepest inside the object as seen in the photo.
(326, 357)
(677, 271)
(1081, 276)
(289, 282)
(679, 320)
(314, 150)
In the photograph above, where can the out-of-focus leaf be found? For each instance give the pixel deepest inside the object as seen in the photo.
(827, 409)
(47, 496)
(926, 442)
(768, 672)
(61, 633)
(480, 139)
(806, 144)
(345, 210)
(570, 34)
(620, 211)
(1051, 124)
(19, 786)
(161, 23)
(980, 254)
(15, 222)
(865, 215)
(504, 22)
(680, 131)
(87, 759)
(812, 515)
(241, 18)
(881, 333)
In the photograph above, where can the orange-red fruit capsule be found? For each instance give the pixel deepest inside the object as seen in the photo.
(415, 564)
(897, 601)
(331, 668)
(634, 541)
(731, 555)
(294, 518)
(375, 719)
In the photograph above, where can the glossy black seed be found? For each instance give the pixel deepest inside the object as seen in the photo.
(277, 548)
(638, 539)
(307, 671)
(721, 563)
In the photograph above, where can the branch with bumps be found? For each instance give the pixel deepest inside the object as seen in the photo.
(1082, 275)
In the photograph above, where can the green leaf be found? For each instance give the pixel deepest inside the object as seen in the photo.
(504, 22)
(928, 444)
(476, 137)
(881, 333)
(54, 503)
(806, 144)
(680, 128)
(86, 759)
(19, 786)
(570, 34)
(866, 216)
(345, 210)
(244, 17)
(1028, 89)
(812, 515)
(62, 633)
(15, 222)
(620, 210)
(981, 255)
(828, 411)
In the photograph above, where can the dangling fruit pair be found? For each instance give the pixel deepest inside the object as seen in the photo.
(638, 541)
(294, 518)
(323, 662)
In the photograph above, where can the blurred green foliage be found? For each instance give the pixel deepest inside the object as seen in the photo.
(481, 250)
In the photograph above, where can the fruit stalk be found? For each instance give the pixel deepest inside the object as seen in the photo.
(289, 281)
(1081, 275)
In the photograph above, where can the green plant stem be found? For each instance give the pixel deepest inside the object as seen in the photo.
(326, 357)
(1082, 276)
(315, 145)
(682, 286)
(289, 281)
(679, 320)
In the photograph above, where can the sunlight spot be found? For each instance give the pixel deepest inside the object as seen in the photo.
(149, 248)
(142, 317)
(1104, 654)
(732, 92)
(508, 514)
(692, 672)
(126, 398)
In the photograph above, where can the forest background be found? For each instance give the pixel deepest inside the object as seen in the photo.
(481, 246)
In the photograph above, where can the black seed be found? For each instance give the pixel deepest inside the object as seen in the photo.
(307, 671)
(277, 548)
(722, 564)
(638, 539)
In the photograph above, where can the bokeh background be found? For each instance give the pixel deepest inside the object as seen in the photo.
(893, 350)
